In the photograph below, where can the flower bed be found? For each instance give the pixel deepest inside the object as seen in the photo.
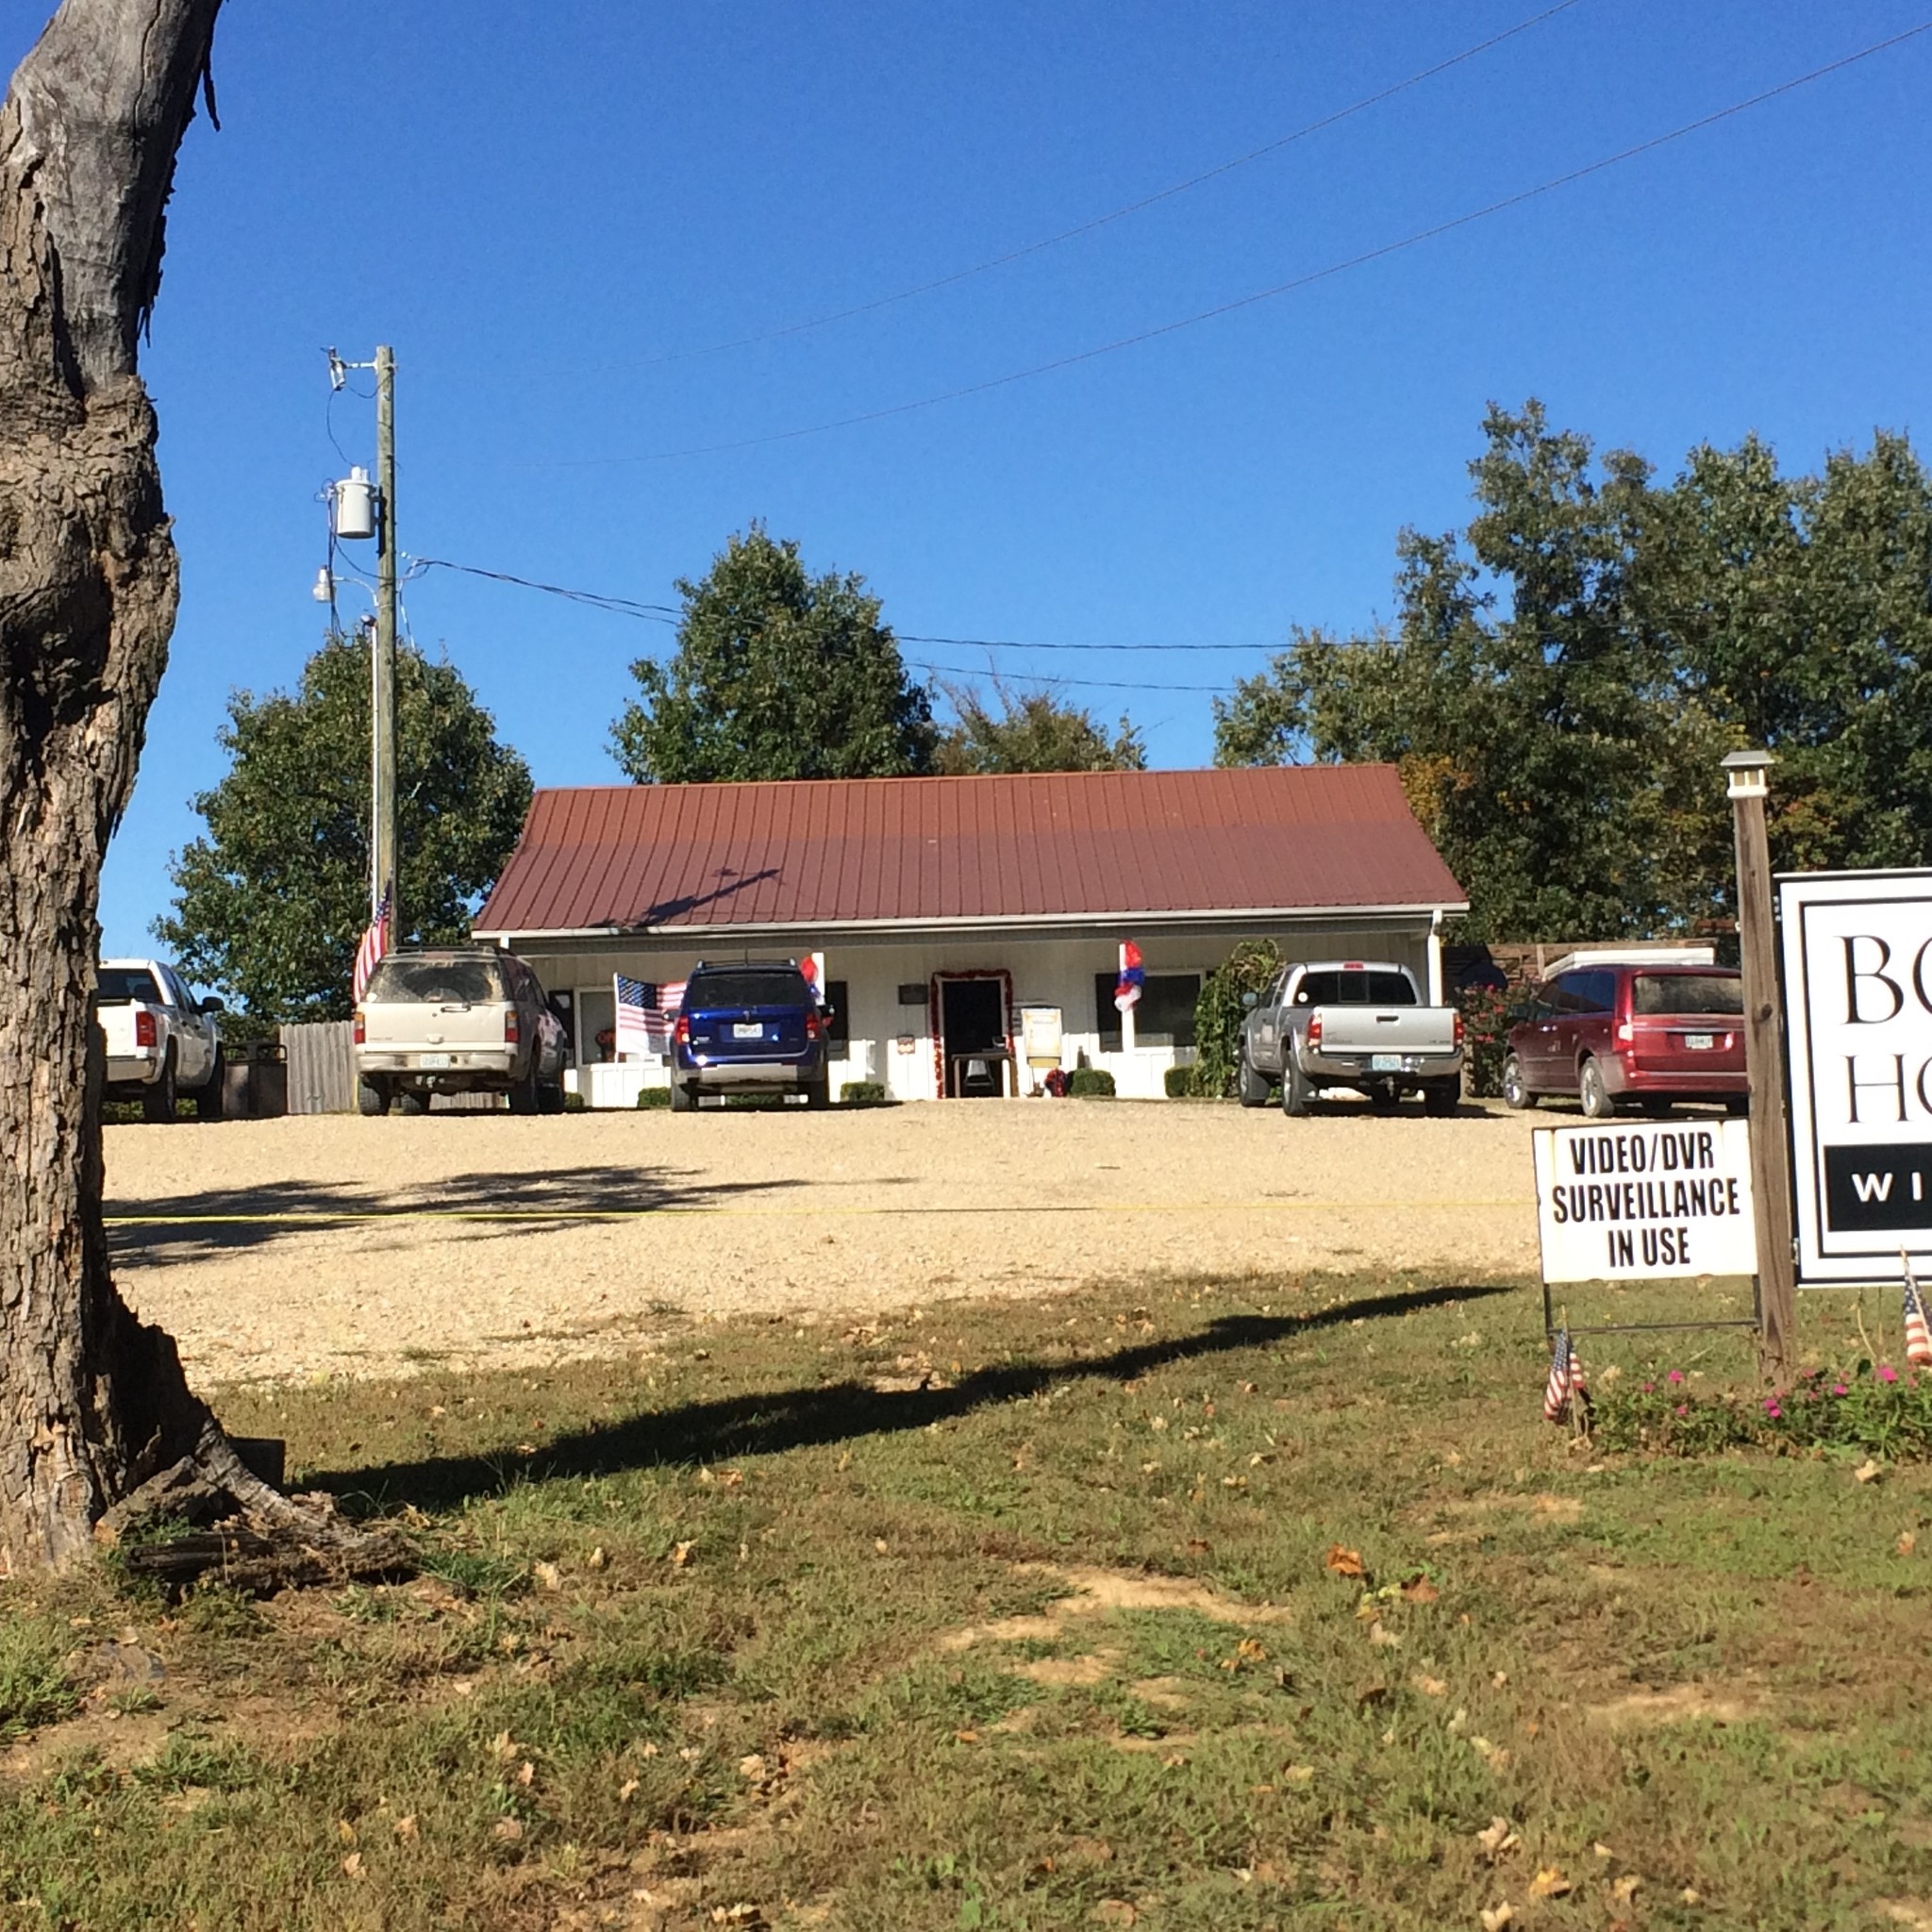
(1872, 1407)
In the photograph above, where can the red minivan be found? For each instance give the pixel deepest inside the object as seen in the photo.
(1631, 1035)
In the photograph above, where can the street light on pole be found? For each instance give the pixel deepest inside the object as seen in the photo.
(1747, 776)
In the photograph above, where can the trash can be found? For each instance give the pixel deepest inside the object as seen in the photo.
(255, 1080)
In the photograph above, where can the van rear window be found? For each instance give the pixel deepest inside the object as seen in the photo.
(439, 982)
(1688, 993)
(711, 992)
(1355, 990)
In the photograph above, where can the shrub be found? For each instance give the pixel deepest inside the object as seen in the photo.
(1091, 1083)
(1874, 1409)
(1219, 1013)
(862, 1093)
(651, 1098)
(1485, 1038)
(1179, 1082)
(575, 1103)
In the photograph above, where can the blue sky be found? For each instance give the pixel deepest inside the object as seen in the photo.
(545, 220)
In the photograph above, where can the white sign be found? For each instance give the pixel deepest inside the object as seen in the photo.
(1858, 959)
(1653, 1198)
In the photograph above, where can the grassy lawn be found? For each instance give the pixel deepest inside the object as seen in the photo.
(759, 1631)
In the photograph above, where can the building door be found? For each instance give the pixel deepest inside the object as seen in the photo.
(973, 1035)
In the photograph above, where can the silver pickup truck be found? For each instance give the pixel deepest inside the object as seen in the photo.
(1349, 1023)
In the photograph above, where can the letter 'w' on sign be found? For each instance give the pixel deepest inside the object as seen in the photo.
(1872, 1186)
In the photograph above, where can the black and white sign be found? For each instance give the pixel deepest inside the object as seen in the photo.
(1652, 1199)
(1858, 959)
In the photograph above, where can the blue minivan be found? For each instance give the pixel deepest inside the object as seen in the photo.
(749, 1026)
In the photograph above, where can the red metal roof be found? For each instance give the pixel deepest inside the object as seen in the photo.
(930, 851)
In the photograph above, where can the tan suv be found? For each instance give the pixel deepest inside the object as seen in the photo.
(456, 1020)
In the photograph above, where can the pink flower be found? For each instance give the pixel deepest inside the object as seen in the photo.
(1675, 1376)
(1840, 1389)
(1886, 1373)
(1771, 1409)
(1683, 1408)
(1648, 1387)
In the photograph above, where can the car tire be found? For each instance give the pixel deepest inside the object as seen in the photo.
(522, 1094)
(373, 1097)
(820, 1092)
(1515, 1092)
(1296, 1089)
(1442, 1097)
(158, 1100)
(412, 1101)
(550, 1097)
(683, 1099)
(1599, 1103)
(1251, 1084)
(209, 1095)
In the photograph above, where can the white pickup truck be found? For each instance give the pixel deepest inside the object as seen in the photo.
(161, 1042)
(1350, 1023)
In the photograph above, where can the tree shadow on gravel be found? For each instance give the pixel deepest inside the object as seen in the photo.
(770, 1423)
(188, 1228)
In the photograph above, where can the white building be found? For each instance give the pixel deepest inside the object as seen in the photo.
(943, 907)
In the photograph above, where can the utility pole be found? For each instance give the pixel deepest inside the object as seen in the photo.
(383, 832)
(1764, 1058)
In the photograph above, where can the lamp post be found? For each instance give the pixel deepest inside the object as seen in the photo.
(1764, 1058)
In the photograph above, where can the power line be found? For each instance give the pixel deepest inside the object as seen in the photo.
(1119, 214)
(1020, 645)
(1298, 282)
(1040, 677)
(621, 607)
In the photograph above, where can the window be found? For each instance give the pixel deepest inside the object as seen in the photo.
(1165, 1016)
(1355, 990)
(745, 987)
(838, 1021)
(913, 993)
(1570, 995)
(123, 986)
(1689, 993)
(399, 981)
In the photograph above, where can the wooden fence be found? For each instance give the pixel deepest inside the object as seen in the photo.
(322, 1073)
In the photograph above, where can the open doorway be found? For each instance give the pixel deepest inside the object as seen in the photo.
(976, 1055)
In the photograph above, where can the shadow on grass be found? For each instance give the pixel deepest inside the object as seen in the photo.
(769, 1422)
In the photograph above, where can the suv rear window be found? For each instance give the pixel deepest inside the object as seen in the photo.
(752, 987)
(1355, 990)
(447, 982)
(1687, 992)
(121, 986)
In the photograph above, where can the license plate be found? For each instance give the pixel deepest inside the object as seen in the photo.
(1385, 1063)
(436, 1059)
(747, 1030)
(1700, 1042)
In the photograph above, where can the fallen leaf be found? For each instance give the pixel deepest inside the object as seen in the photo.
(751, 1767)
(504, 1748)
(1501, 1678)
(506, 1829)
(1498, 1919)
(1113, 1911)
(626, 1791)
(548, 1576)
(345, 1831)
(527, 1448)
(1495, 1756)
(405, 1828)
(680, 1555)
(1430, 1687)
(1342, 1561)
(526, 1773)
(1692, 1896)
(1549, 1882)
(1421, 1590)
(353, 1864)
(966, 1737)
(597, 1558)
(1298, 1773)
(1496, 1838)
(880, 1544)
(1382, 1637)
(1624, 1889)
(1602, 1850)
(1869, 1471)
(1908, 1543)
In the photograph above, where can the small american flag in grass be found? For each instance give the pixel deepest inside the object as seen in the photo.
(1918, 1335)
(1566, 1384)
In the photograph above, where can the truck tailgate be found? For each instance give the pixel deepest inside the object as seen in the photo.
(1347, 1030)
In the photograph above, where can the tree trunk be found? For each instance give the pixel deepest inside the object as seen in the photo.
(93, 1402)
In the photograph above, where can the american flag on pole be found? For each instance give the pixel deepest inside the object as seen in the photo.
(1918, 1335)
(636, 1005)
(1566, 1385)
(375, 944)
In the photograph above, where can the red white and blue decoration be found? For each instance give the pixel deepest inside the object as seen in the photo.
(1566, 1394)
(1918, 1335)
(813, 966)
(375, 944)
(1126, 993)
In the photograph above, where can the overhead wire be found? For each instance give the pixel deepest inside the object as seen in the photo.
(1433, 232)
(1119, 214)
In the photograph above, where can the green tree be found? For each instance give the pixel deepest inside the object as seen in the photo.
(1032, 732)
(1563, 675)
(270, 905)
(777, 675)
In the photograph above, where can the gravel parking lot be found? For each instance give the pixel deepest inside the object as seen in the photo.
(336, 1245)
